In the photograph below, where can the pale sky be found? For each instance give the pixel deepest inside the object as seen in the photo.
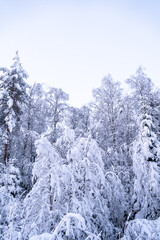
(73, 44)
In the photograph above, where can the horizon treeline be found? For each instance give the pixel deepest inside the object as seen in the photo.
(78, 173)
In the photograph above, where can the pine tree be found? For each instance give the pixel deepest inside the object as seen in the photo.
(146, 155)
(13, 96)
(146, 159)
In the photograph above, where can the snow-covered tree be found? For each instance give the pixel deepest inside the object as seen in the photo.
(10, 204)
(88, 195)
(107, 108)
(146, 159)
(142, 87)
(45, 204)
(145, 148)
(13, 96)
(56, 99)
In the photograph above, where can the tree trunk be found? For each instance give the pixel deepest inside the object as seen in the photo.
(51, 204)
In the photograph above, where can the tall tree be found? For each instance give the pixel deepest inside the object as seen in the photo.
(146, 155)
(142, 91)
(146, 161)
(107, 106)
(13, 97)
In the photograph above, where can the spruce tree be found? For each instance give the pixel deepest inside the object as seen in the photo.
(13, 96)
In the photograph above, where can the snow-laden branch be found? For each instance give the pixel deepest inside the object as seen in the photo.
(65, 224)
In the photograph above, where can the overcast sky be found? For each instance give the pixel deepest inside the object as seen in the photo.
(74, 44)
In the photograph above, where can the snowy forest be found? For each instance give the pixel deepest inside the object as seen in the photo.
(89, 173)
